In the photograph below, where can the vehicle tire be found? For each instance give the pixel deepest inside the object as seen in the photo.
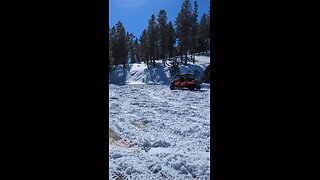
(198, 87)
(172, 87)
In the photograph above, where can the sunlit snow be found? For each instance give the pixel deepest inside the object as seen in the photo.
(158, 133)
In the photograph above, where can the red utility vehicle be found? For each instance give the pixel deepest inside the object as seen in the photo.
(185, 81)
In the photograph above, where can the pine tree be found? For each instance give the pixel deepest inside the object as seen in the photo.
(121, 48)
(203, 34)
(144, 47)
(208, 27)
(131, 50)
(156, 47)
(152, 41)
(183, 24)
(162, 34)
(136, 50)
(171, 40)
(111, 59)
(112, 42)
(194, 31)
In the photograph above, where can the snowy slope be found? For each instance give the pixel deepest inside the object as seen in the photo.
(138, 73)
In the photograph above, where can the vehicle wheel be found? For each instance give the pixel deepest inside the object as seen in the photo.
(172, 87)
(198, 87)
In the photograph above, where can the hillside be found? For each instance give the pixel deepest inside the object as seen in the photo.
(138, 73)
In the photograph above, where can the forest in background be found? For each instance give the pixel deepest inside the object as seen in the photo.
(161, 39)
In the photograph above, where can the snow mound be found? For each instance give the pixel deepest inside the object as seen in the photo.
(139, 73)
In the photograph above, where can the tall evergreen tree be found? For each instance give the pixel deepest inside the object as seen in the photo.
(157, 48)
(136, 50)
(121, 44)
(203, 34)
(194, 31)
(152, 41)
(162, 34)
(112, 43)
(131, 50)
(184, 24)
(111, 59)
(171, 40)
(208, 27)
(144, 47)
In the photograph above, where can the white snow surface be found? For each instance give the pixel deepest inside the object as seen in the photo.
(165, 134)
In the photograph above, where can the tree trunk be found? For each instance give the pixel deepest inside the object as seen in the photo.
(163, 59)
(186, 59)
(181, 54)
(194, 59)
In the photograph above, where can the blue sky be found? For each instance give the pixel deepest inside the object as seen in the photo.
(134, 14)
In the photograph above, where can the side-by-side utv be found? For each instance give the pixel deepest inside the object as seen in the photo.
(185, 81)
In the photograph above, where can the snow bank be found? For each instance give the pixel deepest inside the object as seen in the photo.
(138, 73)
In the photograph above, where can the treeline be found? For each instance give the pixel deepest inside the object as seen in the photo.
(161, 40)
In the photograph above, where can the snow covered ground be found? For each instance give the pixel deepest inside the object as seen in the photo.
(155, 132)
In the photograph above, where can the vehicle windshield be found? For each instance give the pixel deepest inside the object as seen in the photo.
(187, 77)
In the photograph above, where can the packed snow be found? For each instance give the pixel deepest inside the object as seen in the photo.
(155, 132)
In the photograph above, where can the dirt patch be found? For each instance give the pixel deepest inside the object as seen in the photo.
(113, 135)
(139, 125)
(121, 143)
